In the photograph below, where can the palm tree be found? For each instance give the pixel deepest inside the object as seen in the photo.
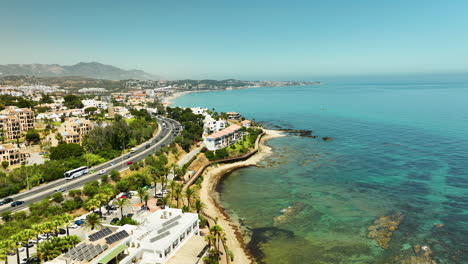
(47, 251)
(189, 193)
(165, 201)
(101, 199)
(141, 193)
(178, 193)
(5, 247)
(172, 185)
(199, 205)
(65, 220)
(38, 229)
(24, 237)
(92, 204)
(93, 220)
(121, 203)
(163, 180)
(216, 231)
(154, 176)
(146, 198)
(17, 244)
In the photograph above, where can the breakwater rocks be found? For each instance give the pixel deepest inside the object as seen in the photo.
(288, 213)
(383, 228)
(327, 138)
(300, 133)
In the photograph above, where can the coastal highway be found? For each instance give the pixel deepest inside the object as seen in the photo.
(166, 134)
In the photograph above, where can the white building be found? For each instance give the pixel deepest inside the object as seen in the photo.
(211, 125)
(157, 238)
(246, 123)
(199, 110)
(223, 138)
(94, 103)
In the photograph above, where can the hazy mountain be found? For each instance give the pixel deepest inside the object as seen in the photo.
(85, 69)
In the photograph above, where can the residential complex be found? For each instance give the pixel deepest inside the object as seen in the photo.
(155, 240)
(12, 154)
(14, 121)
(223, 138)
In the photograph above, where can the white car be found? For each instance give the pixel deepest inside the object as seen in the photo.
(101, 172)
(73, 226)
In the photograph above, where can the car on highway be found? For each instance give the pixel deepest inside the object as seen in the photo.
(60, 190)
(129, 162)
(101, 172)
(148, 146)
(6, 201)
(132, 150)
(17, 203)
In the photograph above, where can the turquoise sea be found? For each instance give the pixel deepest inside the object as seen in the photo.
(399, 148)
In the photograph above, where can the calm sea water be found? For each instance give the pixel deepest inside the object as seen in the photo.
(398, 148)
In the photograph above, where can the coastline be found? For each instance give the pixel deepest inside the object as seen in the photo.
(167, 101)
(235, 241)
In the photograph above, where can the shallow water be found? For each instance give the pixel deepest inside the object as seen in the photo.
(398, 148)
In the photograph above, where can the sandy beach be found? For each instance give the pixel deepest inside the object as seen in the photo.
(235, 241)
(167, 101)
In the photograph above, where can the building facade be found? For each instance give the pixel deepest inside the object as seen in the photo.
(12, 154)
(14, 121)
(223, 138)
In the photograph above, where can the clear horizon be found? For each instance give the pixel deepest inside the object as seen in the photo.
(242, 40)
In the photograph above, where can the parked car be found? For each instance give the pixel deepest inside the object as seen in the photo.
(129, 162)
(129, 215)
(79, 222)
(73, 226)
(62, 231)
(114, 220)
(17, 203)
(6, 201)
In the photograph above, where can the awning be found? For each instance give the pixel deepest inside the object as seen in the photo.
(113, 253)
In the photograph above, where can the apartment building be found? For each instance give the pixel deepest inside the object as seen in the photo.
(12, 154)
(73, 130)
(14, 121)
(223, 138)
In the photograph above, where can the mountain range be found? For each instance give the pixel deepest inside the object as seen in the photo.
(85, 69)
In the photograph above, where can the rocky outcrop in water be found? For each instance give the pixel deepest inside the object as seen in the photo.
(422, 256)
(288, 213)
(327, 139)
(383, 228)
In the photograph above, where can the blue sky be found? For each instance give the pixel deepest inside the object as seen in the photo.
(241, 39)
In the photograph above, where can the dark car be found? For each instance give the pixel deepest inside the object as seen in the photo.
(33, 260)
(6, 201)
(17, 203)
(62, 231)
(129, 215)
(147, 146)
(28, 245)
(113, 221)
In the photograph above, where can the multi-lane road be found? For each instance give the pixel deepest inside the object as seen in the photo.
(168, 130)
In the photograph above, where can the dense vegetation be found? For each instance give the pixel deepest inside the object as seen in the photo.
(109, 141)
(192, 126)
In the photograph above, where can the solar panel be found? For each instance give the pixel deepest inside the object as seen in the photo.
(100, 234)
(167, 227)
(171, 220)
(156, 238)
(116, 237)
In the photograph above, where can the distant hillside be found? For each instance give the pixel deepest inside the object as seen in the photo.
(84, 69)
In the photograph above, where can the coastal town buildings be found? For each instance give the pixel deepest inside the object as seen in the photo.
(94, 103)
(14, 121)
(223, 138)
(12, 154)
(157, 238)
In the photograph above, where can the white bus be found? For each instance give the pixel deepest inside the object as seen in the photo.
(75, 173)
